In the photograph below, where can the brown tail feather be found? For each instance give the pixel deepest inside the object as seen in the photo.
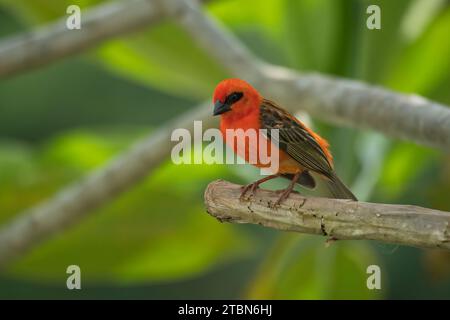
(339, 189)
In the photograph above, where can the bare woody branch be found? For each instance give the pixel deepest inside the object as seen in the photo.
(335, 219)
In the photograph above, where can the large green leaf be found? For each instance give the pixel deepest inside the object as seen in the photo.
(379, 49)
(165, 58)
(240, 15)
(424, 63)
(260, 30)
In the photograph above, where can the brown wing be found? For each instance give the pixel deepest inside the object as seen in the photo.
(293, 138)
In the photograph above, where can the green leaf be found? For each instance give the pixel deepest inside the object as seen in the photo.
(424, 64)
(260, 30)
(163, 56)
(401, 167)
(379, 49)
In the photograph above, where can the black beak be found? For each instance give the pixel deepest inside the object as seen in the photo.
(220, 107)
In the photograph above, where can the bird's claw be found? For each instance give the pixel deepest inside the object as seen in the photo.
(252, 187)
(284, 195)
(274, 205)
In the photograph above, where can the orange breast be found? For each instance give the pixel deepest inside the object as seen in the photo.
(258, 151)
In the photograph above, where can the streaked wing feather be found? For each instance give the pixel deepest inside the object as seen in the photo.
(293, 138)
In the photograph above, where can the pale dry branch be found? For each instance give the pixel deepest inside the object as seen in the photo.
(333, 218)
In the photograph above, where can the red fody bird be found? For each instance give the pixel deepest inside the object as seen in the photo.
(300, 150)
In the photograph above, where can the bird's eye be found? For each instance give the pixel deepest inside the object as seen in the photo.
(234, 97)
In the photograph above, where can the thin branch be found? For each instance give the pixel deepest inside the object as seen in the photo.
(54, 41)
(74, 202)
(337, 100)
(335, 219)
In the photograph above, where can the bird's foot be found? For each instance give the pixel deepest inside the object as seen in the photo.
(284, 194)
(252, 187)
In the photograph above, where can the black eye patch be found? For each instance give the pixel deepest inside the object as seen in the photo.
(233, 98)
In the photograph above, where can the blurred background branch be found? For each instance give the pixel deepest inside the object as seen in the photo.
(335, 219)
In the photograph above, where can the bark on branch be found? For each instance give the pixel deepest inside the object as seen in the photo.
(72, 203)
(336, 219)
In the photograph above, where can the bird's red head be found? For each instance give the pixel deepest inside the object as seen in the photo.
(235, 97)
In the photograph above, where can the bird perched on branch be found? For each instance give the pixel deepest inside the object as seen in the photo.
(300, 150)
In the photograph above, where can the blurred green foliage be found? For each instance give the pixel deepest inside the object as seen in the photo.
(60, 122)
